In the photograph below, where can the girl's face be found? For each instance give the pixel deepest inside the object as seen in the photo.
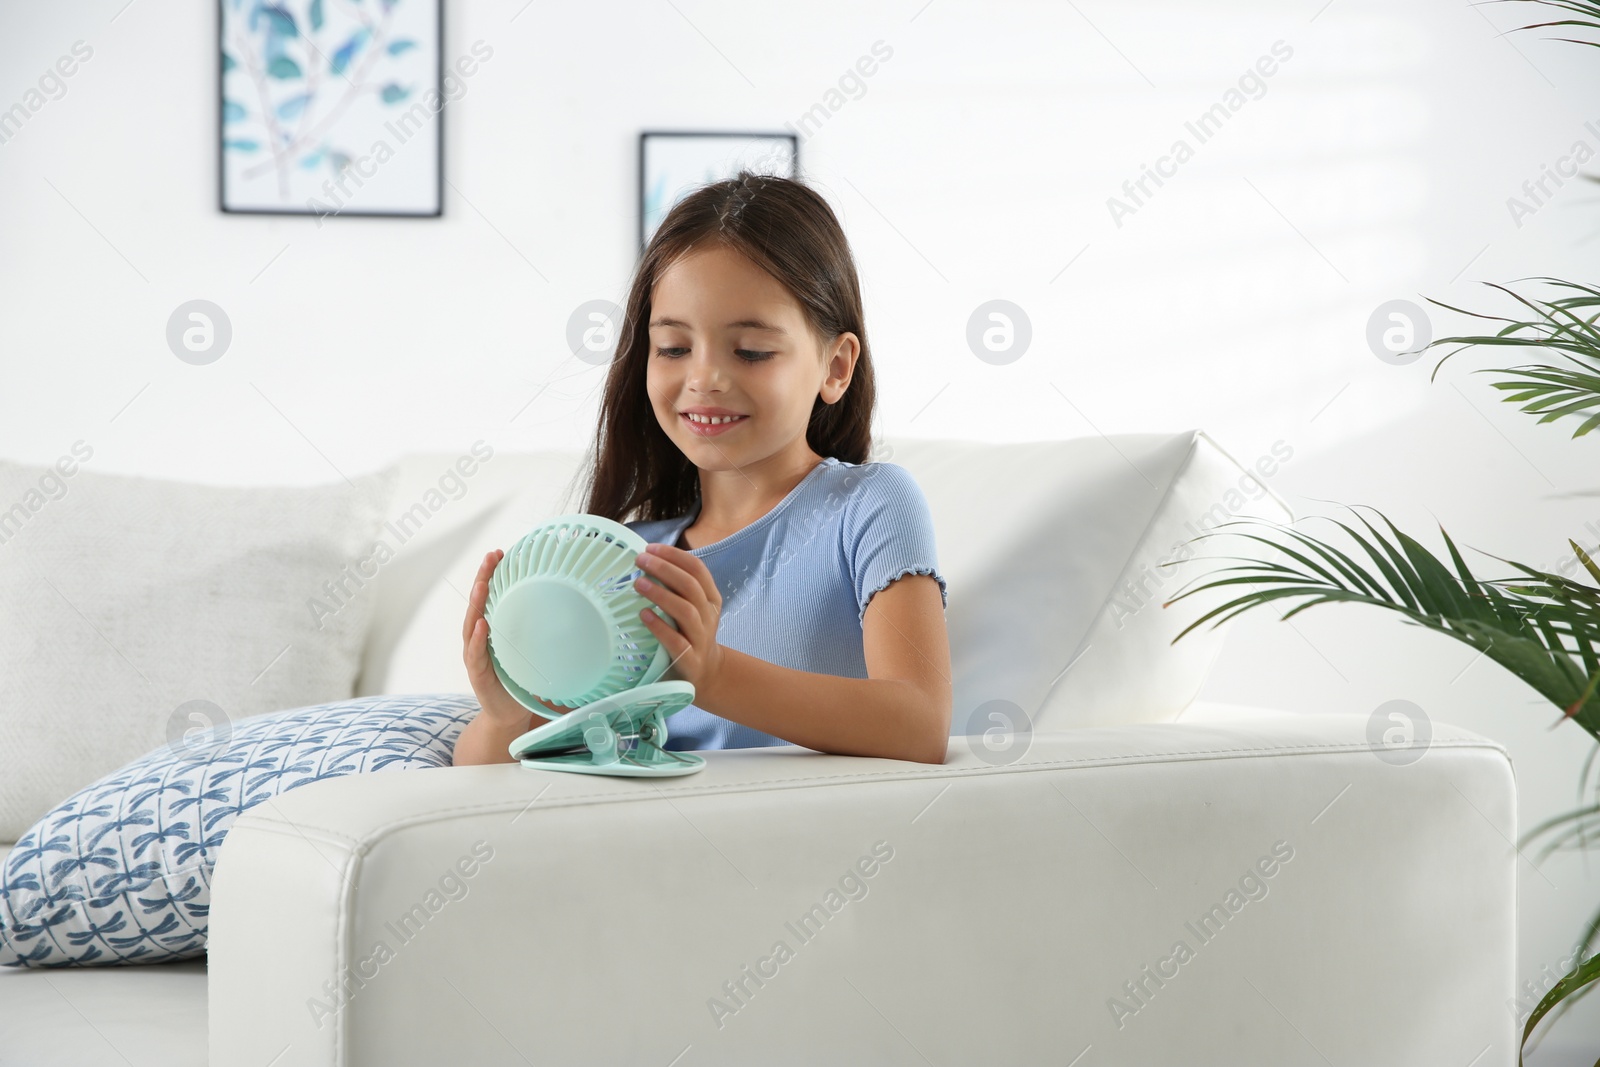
(727, 338)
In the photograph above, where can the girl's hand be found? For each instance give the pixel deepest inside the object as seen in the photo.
(499, 705)
(681, 585)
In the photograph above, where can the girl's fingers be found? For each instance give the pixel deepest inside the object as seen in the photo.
(475, 636)
(472, 602)
(693, 567)
(477, 652)
(474, 613)
(670, 637)
(476, 599)
(670, 602)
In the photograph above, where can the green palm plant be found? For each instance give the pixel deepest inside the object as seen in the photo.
(1556, 326)
(1542, 627)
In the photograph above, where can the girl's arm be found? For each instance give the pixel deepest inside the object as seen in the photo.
(900, 711)
(488, 740)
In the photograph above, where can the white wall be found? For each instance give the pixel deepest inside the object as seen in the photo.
(976, 165)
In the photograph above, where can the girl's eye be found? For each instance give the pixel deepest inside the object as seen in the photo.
(746, 354)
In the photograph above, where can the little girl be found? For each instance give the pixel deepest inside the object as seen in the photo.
(735, 429)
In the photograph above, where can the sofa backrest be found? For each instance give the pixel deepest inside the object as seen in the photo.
(1052, 551)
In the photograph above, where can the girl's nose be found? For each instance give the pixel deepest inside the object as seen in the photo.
(705, 373)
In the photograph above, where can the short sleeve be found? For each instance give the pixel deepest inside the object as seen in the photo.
(888, 532)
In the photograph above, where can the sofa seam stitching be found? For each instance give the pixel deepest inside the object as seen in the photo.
(1143, 759)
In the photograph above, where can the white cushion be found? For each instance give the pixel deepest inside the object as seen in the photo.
(480, 497)
(73, 1016)
(127, 598)
(1051, 550)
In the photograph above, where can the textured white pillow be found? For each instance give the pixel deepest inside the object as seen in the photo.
(1054, 551)
(126, 601)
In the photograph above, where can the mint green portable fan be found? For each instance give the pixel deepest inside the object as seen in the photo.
(564, 627)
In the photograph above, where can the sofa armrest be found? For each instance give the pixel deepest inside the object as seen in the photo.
(788, 906)
(1203, 711)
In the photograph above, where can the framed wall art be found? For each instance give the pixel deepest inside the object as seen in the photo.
(330, 107)
(673, 163)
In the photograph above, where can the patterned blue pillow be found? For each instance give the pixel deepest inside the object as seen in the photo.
(120, 872)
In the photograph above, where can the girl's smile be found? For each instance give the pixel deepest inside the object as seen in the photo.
(706, 424)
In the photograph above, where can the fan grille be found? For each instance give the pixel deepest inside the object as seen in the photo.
(593, 557)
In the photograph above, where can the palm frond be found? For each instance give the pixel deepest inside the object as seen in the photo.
(1564, 325)
(1575, 983)
(1563, 832)
(1543, 628)
(1563, 614)
(1586, 8)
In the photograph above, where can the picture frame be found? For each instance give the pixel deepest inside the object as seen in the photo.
(331, 108)
(674, 162)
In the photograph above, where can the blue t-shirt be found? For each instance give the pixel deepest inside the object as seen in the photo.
(796, 582)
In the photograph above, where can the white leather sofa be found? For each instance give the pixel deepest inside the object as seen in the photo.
(1015, 907)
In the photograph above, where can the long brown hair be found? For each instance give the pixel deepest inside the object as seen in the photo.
(787, 229)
